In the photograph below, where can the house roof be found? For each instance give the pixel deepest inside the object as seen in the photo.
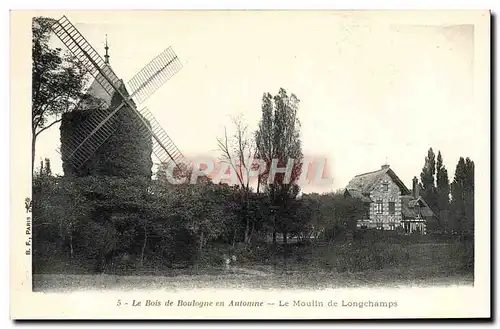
(408, 207)
(357, 194)
(364, 183)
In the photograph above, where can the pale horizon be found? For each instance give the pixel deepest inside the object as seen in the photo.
(370, 93)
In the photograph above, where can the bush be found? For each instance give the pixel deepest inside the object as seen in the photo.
(259, 252)
(212, 256)
(464, 250)
(180, 247)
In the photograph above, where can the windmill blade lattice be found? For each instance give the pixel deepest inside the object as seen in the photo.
(86, 54)
(101, 124)
(142, 85)
(163, 147)
(89, 136)
(154, 75)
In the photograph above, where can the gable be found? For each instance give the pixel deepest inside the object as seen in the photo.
(384, 187)
(398, 182)
(365, 183)
(409, 204)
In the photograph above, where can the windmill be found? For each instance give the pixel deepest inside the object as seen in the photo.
(99, 125)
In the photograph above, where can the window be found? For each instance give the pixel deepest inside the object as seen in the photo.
(366, 211)
(392, 207)
(379, 208)
(418, 211)
(385, 187)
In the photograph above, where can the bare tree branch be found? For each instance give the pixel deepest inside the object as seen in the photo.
(47, 127)
(226, 155)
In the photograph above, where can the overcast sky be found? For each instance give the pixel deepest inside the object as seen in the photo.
(369, 90)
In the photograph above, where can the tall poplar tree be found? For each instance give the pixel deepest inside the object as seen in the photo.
(428, 188)
(469, 195)
(278, 137)
(443, 193)
(462, 196)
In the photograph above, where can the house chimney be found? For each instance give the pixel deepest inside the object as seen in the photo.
(385, 166)
(415, 191)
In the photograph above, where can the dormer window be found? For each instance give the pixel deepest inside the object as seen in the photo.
(418, 210)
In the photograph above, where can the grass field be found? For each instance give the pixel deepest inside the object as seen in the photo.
(248, 278)
(319, 267)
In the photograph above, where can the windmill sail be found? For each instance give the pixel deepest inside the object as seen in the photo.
(163, 147)
(89, 136)
(100, 125)
(154, 75)
(86, 54)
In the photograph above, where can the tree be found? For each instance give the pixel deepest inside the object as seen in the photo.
(443, 193)
(59, 210)
(307, 216)
(469, 194)
(462, 196)
(278, 138)
(58, 81)
(169, 173)
(48, 169)
(264, 136)
(330, 215)
(238, 154)
(427, 185)
(341, 214)
(204, 209)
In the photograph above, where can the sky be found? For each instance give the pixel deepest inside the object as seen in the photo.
(371, 91)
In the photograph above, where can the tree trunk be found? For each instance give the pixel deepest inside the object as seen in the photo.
(144, 244)
(252, 231)
(332, 236)
(273, 200)
(33, 143)
(234, 236)
(201, 242)
(285, 238)
(71, 243)
(246, 203)
(247, 229)
(62, 238)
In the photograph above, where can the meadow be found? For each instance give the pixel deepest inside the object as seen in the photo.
(426, 262)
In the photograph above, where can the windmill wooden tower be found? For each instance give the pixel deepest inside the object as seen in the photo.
(88, 146)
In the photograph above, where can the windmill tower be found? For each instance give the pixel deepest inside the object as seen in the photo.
(126, 153)
(113, 136)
